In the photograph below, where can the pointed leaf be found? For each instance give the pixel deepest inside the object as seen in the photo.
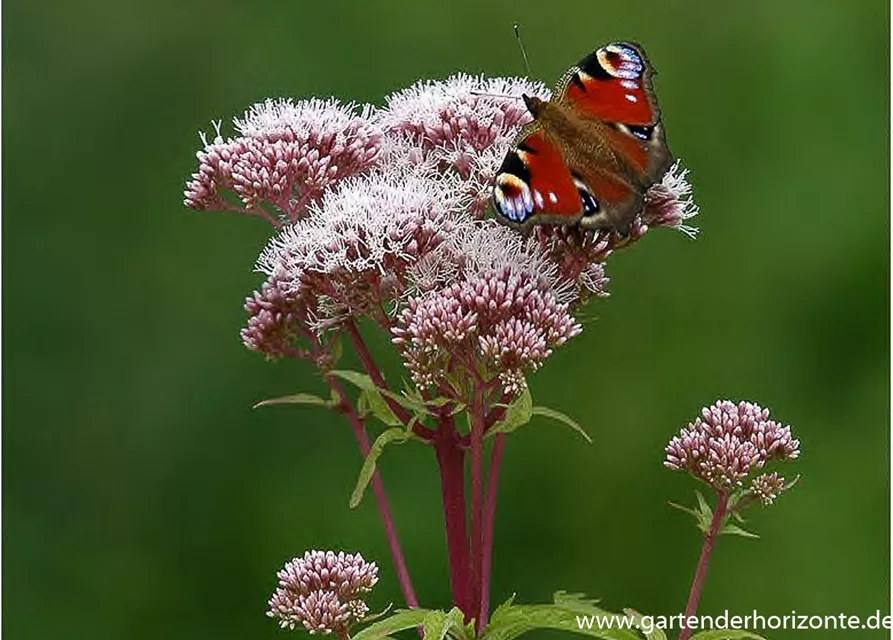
(638, 619)
(356, 378)
(459, 408)
(704, 506)
(517, 414)
(365, 383)
(372, 617)
(400, 620)
(688, 510)
(706, 513)
(560, 417)
(396, 434)
(336, 352)
(570, 613)
(371, 400)
(438, 625)
(735, 530)
(298, 398)
(416, 405)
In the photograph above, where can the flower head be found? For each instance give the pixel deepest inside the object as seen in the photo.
(767, 487)
(286, 155)
(352, 252)
(324, 591)
(502, 321)
(462, 125)
(728, 442)
(277, 316)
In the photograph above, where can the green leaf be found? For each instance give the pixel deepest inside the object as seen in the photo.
(438, 625)
(566, 614)
(705, 516)
(336, 352)
(400, 620)
(371, 400)
(726, 634)
(372, 617)
(688, 510)
(416, 405)
(560, 417)
(735, 530)
(704, 506)
(638, 618)
(517, 414)
(371, 390)
(395, 434)
(298, 398)
(360, 380)
(792, 482)
(459, 408)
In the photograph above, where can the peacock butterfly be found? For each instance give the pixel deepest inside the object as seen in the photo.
(592, 151)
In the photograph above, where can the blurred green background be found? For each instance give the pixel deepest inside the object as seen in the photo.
(144, 498)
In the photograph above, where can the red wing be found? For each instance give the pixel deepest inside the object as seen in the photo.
(612, 83)
(534, 184)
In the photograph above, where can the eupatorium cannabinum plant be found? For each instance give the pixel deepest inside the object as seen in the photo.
(379, 222)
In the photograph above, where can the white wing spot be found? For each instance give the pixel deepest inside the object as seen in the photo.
(552, 197)
(631, 98)
(538, 198)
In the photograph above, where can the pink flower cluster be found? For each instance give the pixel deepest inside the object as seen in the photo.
(352, 252)
(504, 321)
(277, 317)
(287, 155)
(323, 591)
(730, 441)
(387, 221)
(462, 125)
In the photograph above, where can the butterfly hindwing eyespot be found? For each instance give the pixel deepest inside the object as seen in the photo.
(512, 198)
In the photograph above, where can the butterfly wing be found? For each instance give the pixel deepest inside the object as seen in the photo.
(625, 151)
(534, 185)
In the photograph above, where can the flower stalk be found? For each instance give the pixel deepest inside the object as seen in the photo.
(381, 498)
(451, 462)
(694, 594)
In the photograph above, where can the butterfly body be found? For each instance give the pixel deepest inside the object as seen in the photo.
(591, 152)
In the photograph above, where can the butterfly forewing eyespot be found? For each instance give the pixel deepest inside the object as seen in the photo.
(621, 61)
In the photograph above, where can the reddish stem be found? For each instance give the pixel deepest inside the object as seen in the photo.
(476, 413)
(489, 519)
(384, 508)
(377, 377)
(451, 460)
(694, 596)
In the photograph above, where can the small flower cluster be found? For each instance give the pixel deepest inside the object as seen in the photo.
(387, 210)
(323, 591)
(730, 441)
(352, 252)
(287, 155)
(500, 319)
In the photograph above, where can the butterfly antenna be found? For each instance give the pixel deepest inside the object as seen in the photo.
(517, 29)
